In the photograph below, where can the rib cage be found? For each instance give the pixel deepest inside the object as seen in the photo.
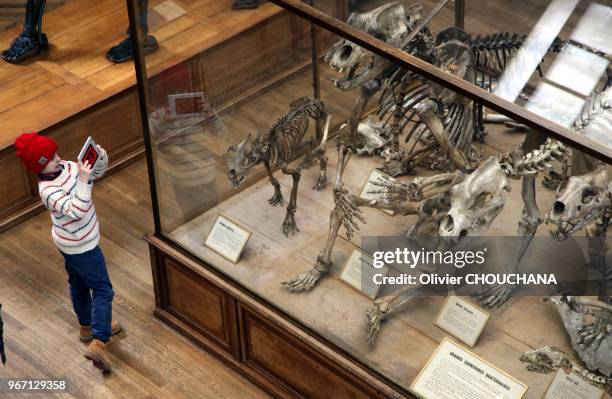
(285, 137)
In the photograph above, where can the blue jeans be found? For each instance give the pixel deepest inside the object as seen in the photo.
(91, 291)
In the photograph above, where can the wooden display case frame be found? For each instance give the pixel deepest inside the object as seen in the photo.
(262, 342)
(256, 339)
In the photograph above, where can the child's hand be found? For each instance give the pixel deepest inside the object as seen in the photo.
(84, 171)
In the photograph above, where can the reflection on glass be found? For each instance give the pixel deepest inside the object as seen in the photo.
(577, 69)
(517, 46)
(555, 104)
(534, 49)
(595, 28)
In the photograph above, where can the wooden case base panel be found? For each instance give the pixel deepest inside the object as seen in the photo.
(265, 347)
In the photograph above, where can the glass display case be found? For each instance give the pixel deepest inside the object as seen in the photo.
(288, 144)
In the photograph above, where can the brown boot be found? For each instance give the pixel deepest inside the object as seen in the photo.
(86, 335)
(96, 352)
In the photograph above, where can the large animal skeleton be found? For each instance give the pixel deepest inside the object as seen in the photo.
(481, 60)
(585, 203)
(401, 91)
(279, 146)
(392, 23)
(463, 205)
(594, 121)
(448, 118)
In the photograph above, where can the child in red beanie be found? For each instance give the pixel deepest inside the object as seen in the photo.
(65, 189)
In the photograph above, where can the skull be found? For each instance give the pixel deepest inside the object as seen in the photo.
(239, 159)
(545, 359)
(584, 199)
(373, 136)
(476, 201)
(389, 23)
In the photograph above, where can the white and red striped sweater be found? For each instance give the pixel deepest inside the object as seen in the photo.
(75, 224)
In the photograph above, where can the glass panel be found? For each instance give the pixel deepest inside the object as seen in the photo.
(224, 78)
(546, 56)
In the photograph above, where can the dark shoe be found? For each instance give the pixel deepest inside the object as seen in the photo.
(25, 47)
(86, 335)
(245, 4)
(124, 51)
(96, 352)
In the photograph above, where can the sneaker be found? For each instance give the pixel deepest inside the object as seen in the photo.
(96, 352)
(25, 47)
(124, 51)
(86, 335)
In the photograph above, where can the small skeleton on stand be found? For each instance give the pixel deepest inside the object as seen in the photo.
(279, 146)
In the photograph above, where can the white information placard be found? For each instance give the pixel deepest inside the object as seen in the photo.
(453, 372)
(572, 386)
(227, 238)
(377, 176)
(359, 271)
(462, 319)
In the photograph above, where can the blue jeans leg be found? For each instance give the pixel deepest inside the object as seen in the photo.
(80, 295)
(90, 267)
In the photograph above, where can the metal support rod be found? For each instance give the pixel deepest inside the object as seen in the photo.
(460, 14)
(424, 22)
(316, 77)
(140, 66)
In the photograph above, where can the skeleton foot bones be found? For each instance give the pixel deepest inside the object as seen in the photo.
(307, 280)
(345, 212)
(592, 342)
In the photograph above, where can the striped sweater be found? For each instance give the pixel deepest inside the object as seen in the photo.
(75, 224)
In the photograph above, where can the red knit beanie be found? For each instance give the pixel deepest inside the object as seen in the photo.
(35, 151)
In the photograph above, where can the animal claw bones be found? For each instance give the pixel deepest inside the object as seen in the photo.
(592, 342)
(547, 359)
